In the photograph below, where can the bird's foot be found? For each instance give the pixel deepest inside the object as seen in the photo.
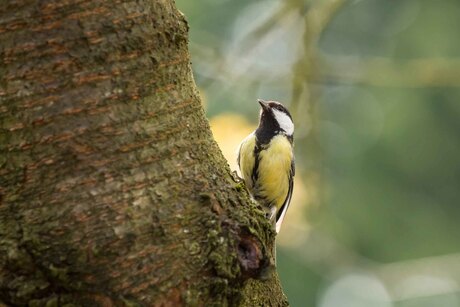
(271, 213)
(236, 177)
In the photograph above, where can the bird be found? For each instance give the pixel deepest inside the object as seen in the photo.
(266, 161)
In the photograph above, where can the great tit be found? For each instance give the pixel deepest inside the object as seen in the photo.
(266, 160)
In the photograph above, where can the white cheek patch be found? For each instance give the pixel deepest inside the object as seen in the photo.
(284, 121)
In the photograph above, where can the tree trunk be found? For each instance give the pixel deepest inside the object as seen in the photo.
(112, 190)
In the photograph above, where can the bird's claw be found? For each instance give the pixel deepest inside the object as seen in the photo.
(236, 177)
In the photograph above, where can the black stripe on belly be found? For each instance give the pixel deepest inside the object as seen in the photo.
(255, 169)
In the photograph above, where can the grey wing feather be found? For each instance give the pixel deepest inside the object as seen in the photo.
(282, 212)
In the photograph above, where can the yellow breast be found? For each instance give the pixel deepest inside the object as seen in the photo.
(274, 167)
(274, 170)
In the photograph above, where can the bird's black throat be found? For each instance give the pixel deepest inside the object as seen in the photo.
(268, 128)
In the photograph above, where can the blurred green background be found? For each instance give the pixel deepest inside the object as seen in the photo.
(374, 87)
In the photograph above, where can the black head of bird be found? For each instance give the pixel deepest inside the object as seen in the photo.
(274, 119)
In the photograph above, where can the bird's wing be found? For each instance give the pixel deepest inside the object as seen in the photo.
(282, 212)
(246, 159)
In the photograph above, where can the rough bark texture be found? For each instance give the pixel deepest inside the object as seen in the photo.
(112, 191)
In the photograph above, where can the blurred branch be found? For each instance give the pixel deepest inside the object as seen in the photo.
(253, 37)
(315, 21)
(304, 98)
(436, 72)
(318, 17)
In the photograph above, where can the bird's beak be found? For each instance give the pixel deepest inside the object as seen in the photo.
(263, 104)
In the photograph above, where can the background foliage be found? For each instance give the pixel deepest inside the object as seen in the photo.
(374, 87)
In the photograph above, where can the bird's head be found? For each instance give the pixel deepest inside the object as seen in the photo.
(275, 118)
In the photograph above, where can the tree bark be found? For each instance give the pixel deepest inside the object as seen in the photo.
(112, 190)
